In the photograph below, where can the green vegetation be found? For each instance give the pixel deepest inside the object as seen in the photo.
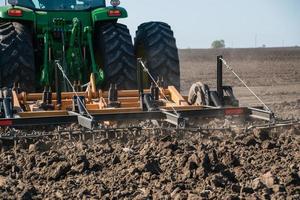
(218, 44)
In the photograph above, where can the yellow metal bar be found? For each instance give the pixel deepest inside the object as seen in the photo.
(69, 95)
(43, 114)
(93, 83)
(182, 108)
(176, 96)
(16, 102)
(116, 110)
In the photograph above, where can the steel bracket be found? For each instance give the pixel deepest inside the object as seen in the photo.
(84, 121)
(260, 113)
(174, 119)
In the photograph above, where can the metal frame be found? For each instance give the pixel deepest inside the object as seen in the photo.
(133, 105)
(73, 117)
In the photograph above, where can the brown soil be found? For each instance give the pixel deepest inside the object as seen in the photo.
(214, 165)
(204, 165)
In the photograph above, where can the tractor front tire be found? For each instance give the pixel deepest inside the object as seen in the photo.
(156, 45)
(114, 44)
(16, 56)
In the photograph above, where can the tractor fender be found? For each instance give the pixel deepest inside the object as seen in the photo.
(27, 14)
(101, 14)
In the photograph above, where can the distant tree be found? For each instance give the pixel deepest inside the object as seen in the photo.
(218, 44)
(264, 46)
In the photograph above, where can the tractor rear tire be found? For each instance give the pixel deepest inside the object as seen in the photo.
(114, 44)
(17, 62)
(156, 45)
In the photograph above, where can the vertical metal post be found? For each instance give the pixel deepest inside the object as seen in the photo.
(140, 83)
(220, 79)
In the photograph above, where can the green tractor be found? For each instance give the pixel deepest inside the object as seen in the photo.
(83, 37)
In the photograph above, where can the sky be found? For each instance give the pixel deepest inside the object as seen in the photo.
(241, 23)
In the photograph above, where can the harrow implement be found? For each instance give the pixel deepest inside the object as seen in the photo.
(92, 107)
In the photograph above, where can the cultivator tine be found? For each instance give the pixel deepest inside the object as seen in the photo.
(126, 134)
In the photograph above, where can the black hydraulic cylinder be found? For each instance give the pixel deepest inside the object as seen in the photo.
(8, 107)
(150, 103)
(75, 104)
(49, 96)
(154, 91)
(1, 103)
(112, 93)
(220, 79)
(44, 97)
(113, 96)
(47, 99)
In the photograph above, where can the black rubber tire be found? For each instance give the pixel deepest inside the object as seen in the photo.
(156, 45)
(17, 62)
(114, 44)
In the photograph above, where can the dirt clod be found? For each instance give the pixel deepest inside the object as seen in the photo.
(60, 171)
